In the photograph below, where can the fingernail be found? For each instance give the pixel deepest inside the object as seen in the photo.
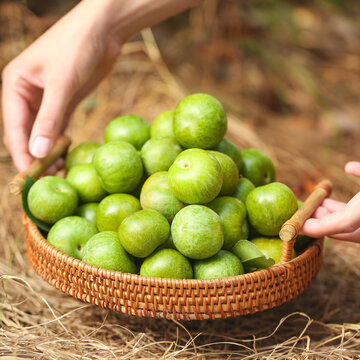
(41, 146)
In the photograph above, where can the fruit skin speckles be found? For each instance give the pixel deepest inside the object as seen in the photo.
(257, 167)
(223, 264)
(119, 167)
(159, 153)
(70, 235)
(81, 154)
(233, 218)
(229, 170)
(143, 231)
(199, 122)
(113, 209)
(195, 177)
(52, 198)
(88, 211)
(243, 189)
(229, 148)
(197, 232)
(163, 124)
(133, 129)
(167, 263)
(85, 180)
(105, 250)
(269, 206)
(157, 195)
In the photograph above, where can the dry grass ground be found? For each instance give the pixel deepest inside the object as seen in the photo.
(308, 142)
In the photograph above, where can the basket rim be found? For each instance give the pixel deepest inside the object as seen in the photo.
(314, 246)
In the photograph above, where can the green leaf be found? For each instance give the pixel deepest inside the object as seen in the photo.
(251, 256)
(29, 182)
(261, 262)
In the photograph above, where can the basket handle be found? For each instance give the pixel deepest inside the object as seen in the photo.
(60, 147)
(290, 230)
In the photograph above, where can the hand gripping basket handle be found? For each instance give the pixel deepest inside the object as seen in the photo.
(40, 165)
(291, 228)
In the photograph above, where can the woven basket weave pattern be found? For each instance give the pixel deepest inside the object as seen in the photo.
(168, 298)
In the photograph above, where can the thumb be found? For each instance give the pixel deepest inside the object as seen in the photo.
(48, 122)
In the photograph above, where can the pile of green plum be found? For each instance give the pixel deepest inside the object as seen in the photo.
(174, 199)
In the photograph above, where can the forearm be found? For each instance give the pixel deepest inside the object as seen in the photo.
(122, 19)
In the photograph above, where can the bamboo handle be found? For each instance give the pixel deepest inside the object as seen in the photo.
(39, 165)
(290, 230)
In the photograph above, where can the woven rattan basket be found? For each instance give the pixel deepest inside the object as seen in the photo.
(177, 299)
(168, 298)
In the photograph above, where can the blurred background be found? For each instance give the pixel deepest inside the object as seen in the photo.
(288, 75)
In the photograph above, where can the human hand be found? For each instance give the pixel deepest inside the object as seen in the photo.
(44, 84)
(337, 219)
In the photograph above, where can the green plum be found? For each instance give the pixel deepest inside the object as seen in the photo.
(199, 122)
(81, 154)
(70, 235)
(52, 198)
(257, 167)
(230, 172)
(167, 263)
(197, 232)
(195, 177)
(119, 167)
(114, 209)
(163, 124)
(271, 247)
(105, 251)
(85, 180)
(130, 128)
(232, 213)
(223, 264)
(88, 211)
(156, 194)
(229, 148)
(143, 231)
(269, 206)
(159, 153)
(243, 189)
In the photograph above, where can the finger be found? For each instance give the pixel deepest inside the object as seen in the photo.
(320, 212)
(353, 168)
(333, 205)
(351, 237)
(332, 223)
(49, 119)
(17, 119)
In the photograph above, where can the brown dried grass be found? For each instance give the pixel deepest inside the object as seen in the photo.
(39, 322)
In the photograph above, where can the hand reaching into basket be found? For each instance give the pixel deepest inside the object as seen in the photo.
(337, 219)
(45, 83)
